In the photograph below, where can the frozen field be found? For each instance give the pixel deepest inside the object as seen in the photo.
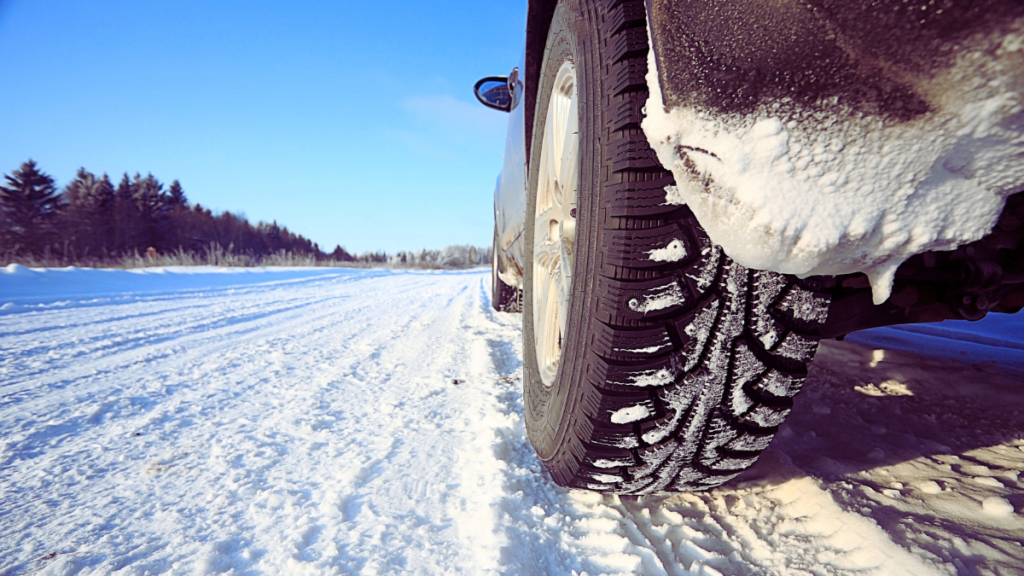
(320, 421)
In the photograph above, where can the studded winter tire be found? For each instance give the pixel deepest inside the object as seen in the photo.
(653, 362)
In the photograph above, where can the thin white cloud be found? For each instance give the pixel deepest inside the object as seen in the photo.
(456, 117)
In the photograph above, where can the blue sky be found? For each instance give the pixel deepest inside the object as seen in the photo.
(351, 123)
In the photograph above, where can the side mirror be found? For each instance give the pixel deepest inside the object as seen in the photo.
(493, 92)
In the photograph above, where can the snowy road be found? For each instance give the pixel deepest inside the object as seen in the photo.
(359, 422)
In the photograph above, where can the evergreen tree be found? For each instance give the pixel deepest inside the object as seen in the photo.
(76, 221)
(126, 217)
(6, 246)
(341, 255)
(87, 219)
(153, 208)
(93, 222)
(177, 194)
(100, 201)
(29, 201)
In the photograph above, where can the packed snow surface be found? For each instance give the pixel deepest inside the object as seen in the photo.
(842, 192)
(320, 421)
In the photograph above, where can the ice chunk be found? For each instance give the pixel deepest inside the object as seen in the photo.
(605, 463)
(658, 299)
(675, 250)
(606, 478)
(996, 506)
(988, 481)
(652, 378)
(630, 414)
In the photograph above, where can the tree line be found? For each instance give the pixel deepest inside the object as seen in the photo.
(94, 222)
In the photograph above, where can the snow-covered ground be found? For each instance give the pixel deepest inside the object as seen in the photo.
(325, 421)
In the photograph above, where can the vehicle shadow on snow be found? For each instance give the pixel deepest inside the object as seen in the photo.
(881, 432)
(862, 409)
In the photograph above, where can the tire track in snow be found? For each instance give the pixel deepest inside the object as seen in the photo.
(546, 529)
(235, 370)
(328, 437)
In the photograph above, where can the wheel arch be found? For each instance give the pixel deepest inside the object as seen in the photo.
(538, 20)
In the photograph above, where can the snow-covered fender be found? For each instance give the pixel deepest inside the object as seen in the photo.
(831, 137)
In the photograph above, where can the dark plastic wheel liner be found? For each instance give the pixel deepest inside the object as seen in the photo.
(677, 365)
(504, 298)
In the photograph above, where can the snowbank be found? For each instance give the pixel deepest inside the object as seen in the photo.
(19, 284)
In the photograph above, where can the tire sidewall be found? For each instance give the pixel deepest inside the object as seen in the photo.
(549, 409)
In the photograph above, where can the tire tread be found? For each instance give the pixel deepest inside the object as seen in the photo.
(714, 352)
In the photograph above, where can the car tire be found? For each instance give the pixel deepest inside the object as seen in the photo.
(668, 366)
(504, 298)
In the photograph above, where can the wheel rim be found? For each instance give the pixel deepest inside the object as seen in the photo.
(554, 225)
